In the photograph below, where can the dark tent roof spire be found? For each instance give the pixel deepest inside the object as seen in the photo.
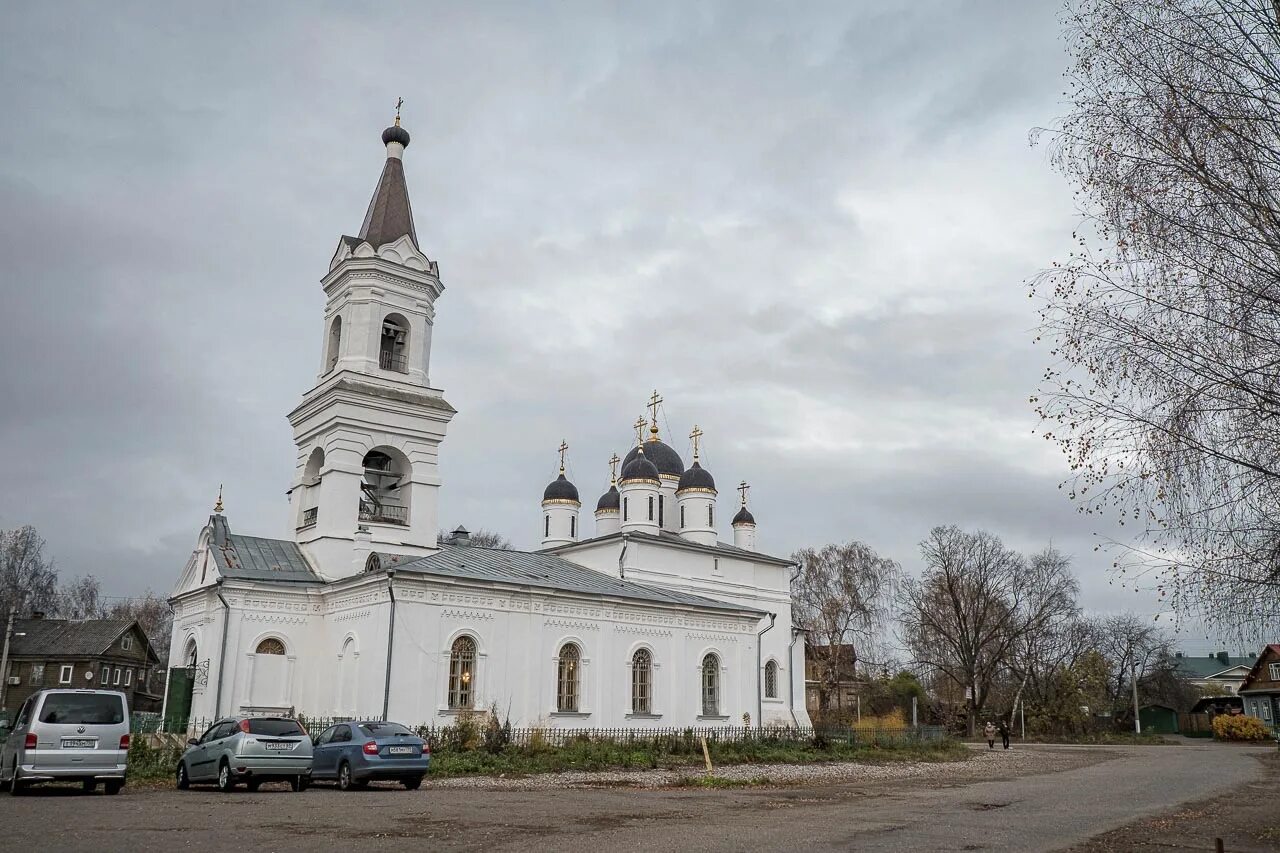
(389, 216)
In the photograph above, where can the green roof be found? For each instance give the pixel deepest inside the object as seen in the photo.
(1203, 666)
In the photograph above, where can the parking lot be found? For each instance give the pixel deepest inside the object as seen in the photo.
(1092, 790)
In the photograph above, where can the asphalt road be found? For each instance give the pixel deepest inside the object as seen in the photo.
(1035, 812)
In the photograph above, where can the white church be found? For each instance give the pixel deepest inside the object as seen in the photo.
(363, 611)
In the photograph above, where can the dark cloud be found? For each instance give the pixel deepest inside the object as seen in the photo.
(808, 227)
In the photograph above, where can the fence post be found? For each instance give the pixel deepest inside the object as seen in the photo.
(706, 755)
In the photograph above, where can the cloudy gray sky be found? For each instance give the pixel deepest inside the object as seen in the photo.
(808, 225)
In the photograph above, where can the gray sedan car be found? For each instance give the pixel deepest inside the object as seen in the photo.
(252, 750)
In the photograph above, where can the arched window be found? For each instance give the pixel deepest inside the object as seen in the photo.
(373, 563)
(335, 340)
(771, 680)
(651, 507)
(567, 678)
(642, 682)
(710, 686)
(462, 664)
(190, 656)
(270, 646)
(393, 348)
(384, 492)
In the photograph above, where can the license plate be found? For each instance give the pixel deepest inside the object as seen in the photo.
(402, 750)
(279, 747)
(78, 743)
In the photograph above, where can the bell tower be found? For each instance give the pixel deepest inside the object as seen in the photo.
(368, 434)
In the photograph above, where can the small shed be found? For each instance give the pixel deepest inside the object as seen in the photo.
(1158, 719)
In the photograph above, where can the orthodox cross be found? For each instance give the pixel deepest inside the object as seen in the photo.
(653, 406)
(564, 445)
(639, 427)
(613, 468)
(743, 488)
(695, 435)
(399, 104)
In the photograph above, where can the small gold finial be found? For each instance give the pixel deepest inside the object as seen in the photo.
(399, 104)
(613, 469)
(217, 507)
(654, 400)
(564, 445)
(639, 428)
(743, 488)
(695, 435)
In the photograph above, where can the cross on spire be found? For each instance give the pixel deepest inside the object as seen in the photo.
(694, 436)
(743, 488)
(654, 400)
(564, 445)
(217, 507)
(399, 104)
(613, 469)
(639, 428)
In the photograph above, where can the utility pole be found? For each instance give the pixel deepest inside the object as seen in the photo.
(4, 658)
(1133, 675)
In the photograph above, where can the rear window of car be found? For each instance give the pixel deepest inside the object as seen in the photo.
(274, 728)
(384, 729)
(86, 709)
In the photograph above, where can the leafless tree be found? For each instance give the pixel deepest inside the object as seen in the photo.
(483, 539)
(840, 596)
(975, 601)
(80, 599)
(28, 579)
(1164, 387)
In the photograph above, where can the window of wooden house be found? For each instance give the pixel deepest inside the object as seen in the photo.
(37, 674)
(64, 674)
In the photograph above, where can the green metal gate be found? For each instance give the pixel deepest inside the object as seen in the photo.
(182, 680)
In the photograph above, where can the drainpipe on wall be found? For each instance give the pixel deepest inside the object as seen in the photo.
(622, 555)
(391, 635)
(791, 676)
(222, 657)
(773, 617)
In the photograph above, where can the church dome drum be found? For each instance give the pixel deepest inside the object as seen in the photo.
(561, 489)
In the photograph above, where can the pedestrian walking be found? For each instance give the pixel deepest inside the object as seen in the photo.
(1004, 733)
(990, 732)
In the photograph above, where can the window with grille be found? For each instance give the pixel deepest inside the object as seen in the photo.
(567, 678)
(462, 663)
(642, 682)
(270, 646)
(771, 680)
(710, 686)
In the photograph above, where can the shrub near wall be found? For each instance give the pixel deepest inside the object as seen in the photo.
(1238, 727)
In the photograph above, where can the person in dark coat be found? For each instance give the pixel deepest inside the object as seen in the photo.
(1004, 733)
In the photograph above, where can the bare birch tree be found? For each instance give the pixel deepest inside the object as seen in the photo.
(840, 597)
(1164, 386)
(28, 579)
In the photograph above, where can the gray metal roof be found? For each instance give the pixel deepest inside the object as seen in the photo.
(389, 216)
(253, 558)
(66, 637)
(666, 537)
(546, 571)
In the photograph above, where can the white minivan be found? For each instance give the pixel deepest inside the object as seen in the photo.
(68, 735)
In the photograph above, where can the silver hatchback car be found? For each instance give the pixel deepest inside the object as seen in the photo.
(252, 750)
(68, 735)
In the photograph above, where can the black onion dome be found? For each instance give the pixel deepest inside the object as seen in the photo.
(610, 500)
(744, 516)
(696, 477)
(638, 467)
(661, 455)
(395, 133)
(560, 490)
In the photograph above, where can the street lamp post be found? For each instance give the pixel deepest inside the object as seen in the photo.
(4, 658)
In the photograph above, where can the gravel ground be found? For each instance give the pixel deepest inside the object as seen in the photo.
(980, 765)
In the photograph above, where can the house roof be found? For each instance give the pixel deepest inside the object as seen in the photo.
(254, 558)
(68, 637)
(1207, 666)
(547, 571)
(1256, 670)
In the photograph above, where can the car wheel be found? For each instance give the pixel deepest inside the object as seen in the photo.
(184, 782)
(299, 783)
(112, 788)
(413, 784)
(226, 782)
(16, 785)
(345, 782)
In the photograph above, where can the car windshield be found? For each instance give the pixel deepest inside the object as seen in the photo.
(274, 727)
(99, 709)
(384, 729)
